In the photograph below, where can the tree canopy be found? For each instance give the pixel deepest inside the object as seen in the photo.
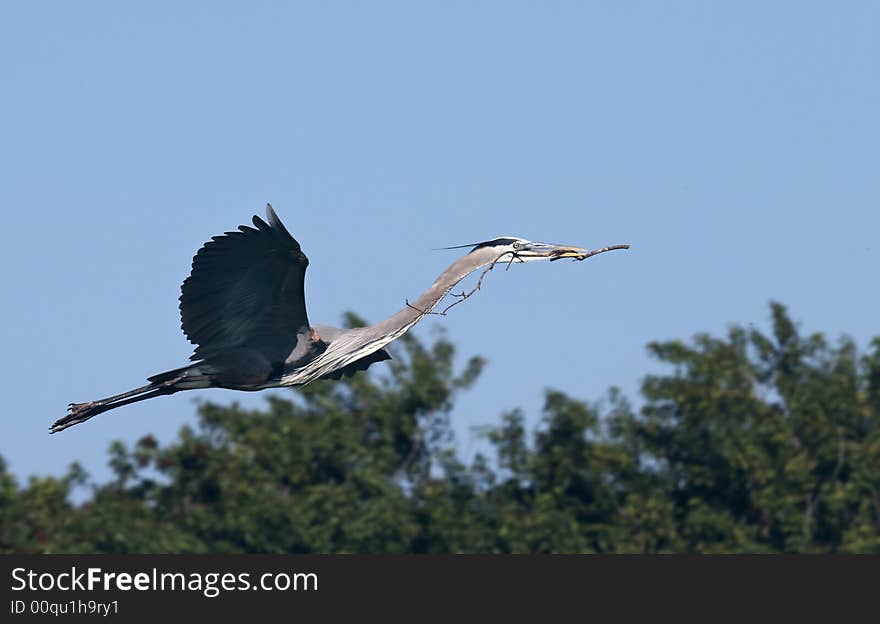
(746, 443)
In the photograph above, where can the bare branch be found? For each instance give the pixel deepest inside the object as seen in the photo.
(466, 295)
(513, 257)
(463, 295)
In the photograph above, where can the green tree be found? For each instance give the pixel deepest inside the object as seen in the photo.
(747, 443)
(767, 443)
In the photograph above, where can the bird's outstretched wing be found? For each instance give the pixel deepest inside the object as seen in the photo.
(246, 290)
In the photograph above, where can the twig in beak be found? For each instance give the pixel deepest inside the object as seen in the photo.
(513, 256)
(590, 254)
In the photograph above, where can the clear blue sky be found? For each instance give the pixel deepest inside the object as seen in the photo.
(734, 145)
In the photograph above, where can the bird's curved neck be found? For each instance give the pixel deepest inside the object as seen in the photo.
(365, 340)
(414, 311)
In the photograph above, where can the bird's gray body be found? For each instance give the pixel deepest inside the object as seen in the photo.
(243, 306)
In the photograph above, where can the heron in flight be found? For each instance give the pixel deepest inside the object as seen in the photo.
(243, 306)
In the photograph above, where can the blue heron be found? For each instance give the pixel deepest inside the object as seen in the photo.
(243, 306)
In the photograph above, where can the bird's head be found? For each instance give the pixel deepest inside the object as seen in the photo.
(512, 248)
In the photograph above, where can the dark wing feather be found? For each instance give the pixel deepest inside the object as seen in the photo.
(246, 289)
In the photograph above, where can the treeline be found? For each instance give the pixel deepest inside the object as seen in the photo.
(747, 443)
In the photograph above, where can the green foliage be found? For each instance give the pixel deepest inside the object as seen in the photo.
(748, 443)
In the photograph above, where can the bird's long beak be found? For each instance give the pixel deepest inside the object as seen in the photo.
(548, 251)
(568, 252)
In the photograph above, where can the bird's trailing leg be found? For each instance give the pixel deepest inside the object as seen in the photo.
(81, 412)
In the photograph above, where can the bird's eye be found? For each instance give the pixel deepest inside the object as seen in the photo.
(516, 245)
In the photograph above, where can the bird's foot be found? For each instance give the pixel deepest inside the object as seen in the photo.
(73, 407)
(77, 413)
